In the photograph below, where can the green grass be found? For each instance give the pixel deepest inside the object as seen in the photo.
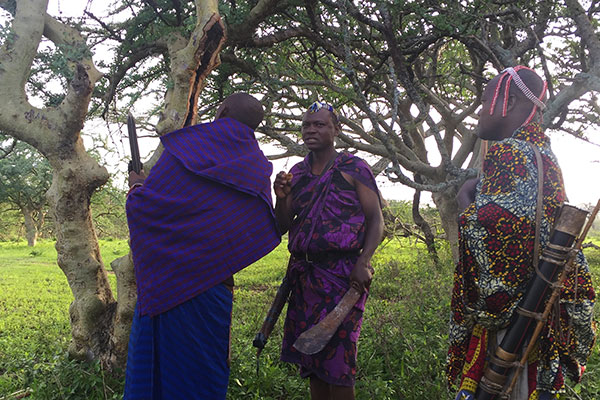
(401, 351)
(44, 252)
(403, 338)
(34, 321)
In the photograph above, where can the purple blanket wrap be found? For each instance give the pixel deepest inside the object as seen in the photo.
(329, 219)
(204, 213)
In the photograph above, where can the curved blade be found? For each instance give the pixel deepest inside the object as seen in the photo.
(314, 340)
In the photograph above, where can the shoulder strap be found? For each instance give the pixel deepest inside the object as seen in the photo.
(316, 195)
(329, 164)
(538, 211)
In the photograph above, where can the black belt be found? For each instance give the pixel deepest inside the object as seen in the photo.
(324, 256)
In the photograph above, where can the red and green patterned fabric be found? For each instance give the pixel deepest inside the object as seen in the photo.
(496, 241)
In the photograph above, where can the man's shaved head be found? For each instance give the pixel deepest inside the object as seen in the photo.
(243, 108)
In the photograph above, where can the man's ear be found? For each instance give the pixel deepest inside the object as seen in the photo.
(338, 129)
(222, 112)
(511, 103)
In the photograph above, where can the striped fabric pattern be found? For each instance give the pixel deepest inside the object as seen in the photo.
(182, 353)
(204, 213)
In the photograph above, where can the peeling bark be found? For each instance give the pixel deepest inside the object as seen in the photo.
(191, 62)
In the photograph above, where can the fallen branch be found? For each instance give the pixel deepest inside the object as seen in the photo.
(590, 244)
(19, 394)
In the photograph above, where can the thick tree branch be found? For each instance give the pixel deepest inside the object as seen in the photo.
(278, 37)
(586, 31)
(20, 48)
(20, 119)
(126, 65)
(581, 85)
(190, 66)
(244, 31)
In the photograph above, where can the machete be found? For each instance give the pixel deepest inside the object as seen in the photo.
(281, 298)
(133, 144)
(314, 340)
(283, 293)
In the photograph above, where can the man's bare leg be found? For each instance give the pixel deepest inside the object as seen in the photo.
(319, 390)
(342, 392)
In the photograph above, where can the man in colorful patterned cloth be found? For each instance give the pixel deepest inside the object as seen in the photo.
(331, 206)
(204, 213)
(496, 241)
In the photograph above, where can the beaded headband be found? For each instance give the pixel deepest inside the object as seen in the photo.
(526, 91)
(512, 74)
(318, 105)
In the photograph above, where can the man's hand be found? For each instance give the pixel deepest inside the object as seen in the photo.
(361, 275)
(466, 193)
(282, 185)
(135, 178)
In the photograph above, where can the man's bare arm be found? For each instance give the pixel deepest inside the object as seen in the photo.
(283, 205)
(371, 206)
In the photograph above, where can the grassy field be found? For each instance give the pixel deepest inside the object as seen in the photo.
(401, 350)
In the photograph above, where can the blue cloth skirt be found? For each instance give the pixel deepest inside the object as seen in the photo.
(182, 353)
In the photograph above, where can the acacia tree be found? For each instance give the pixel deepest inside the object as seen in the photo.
(408, 76)
(25, 177)
(100, 325)
(54, 131)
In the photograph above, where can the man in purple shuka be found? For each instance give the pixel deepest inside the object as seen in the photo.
(204, 213)
(331, 206)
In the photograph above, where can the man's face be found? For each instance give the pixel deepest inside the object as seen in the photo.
(318, 130)
(490, 126)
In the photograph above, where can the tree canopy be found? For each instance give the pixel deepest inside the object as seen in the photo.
(406, 76)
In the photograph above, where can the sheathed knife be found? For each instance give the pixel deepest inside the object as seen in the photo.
(314, 339)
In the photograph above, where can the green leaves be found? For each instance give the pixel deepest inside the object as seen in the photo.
(25, 176)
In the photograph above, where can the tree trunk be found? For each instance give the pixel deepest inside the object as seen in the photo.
(39, 222)
(55, 132)
(31, 231)
(425, 228)
(445, 202)
(74, 180)
(127, 295)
